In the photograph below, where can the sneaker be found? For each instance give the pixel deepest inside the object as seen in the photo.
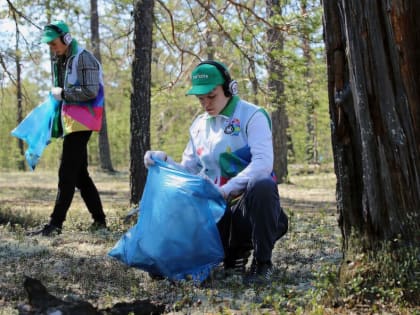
(236, 263)
(48, 230)
(97, 225)
(259, 273)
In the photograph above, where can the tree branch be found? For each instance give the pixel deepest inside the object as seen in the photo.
(173, 32)
(13, 8)
(225, 33)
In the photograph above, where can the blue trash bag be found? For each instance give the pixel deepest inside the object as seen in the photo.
(35, 130)
(176, 235)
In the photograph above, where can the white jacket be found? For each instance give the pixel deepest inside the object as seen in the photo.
(232, 148)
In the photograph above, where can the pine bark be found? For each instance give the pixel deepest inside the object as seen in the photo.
(373, 48)
(19, 97)
(104, 150)
(140, 96)
(276, 88)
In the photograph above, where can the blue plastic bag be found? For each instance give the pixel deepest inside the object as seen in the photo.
(176, 235)
(35, 130)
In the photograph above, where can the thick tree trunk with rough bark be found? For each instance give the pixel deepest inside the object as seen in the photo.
(373, 51)
(140, 96)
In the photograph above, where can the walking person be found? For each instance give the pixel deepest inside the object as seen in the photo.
(78, 85)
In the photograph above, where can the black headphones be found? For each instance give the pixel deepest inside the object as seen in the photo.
(65, 37)
(230, 87)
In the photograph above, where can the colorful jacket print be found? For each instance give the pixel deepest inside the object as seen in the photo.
(81, 115)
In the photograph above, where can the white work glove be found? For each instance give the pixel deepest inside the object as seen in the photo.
(157, 155)
(56, 92)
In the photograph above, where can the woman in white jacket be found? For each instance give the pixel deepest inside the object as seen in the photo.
(231, 144)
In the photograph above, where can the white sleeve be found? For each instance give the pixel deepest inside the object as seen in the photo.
(261, 145)
(190, 161)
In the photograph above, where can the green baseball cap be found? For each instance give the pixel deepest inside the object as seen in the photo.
(205, 78)
(54, 30)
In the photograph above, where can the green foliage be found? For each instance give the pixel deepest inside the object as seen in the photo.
(305, 88)
(171, 111)
(389, 274)
(325, 291)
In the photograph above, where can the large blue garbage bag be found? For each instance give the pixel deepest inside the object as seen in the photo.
(35, 130)
(176, 235)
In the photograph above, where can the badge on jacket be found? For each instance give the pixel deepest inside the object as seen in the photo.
(232, 127)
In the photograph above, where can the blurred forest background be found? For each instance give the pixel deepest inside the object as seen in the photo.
(184, 32)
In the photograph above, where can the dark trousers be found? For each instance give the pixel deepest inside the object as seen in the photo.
(256, 222)
(73, 172)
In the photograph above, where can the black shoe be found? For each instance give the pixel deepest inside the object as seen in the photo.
(48, 230)
(236, 263)
(259, 273)
(98, 225)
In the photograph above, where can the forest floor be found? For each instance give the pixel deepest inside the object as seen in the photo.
(76, 263)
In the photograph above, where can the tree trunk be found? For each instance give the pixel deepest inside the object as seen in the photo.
(276, 87)
(140, 97)
(104, 150)
(373, 72)
(254, 83)
(311, 139)
(19, 116)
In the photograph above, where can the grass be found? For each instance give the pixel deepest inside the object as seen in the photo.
(76, 263)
